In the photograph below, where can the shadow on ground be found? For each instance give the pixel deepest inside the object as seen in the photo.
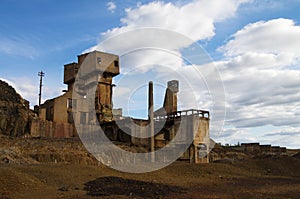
(110, 185)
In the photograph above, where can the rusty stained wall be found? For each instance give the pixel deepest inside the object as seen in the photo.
(105, 90)
(104, 98)
(43, 128)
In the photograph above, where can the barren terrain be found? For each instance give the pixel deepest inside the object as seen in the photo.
(33, 168)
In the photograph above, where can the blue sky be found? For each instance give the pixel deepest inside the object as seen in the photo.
(254, 44)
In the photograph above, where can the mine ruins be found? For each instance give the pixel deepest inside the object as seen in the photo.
(57, 115)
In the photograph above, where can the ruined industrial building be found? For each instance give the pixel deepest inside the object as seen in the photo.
(56, 116)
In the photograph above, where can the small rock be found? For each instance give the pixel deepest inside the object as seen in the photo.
(63, 188)
(5, 160)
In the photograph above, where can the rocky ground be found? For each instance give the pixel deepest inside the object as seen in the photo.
(43, 168)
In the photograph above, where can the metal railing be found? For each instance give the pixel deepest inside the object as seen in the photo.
(178, 114)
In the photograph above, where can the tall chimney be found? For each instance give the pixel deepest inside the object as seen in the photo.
(151, 119)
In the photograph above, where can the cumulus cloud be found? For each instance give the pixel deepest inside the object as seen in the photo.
(195, 20)
(258, 69)
(262, 88)
(276, 36)
(111, 6)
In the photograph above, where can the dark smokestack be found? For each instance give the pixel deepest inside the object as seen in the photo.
(151, 118)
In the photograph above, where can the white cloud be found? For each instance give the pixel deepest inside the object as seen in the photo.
(194, 20)
(29, 90)
(277, 39)
(262, 88)
(111, 6)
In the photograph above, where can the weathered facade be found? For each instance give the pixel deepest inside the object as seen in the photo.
(59, 113)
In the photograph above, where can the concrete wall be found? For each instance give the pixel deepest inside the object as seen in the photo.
(99, 61)
(61, 109)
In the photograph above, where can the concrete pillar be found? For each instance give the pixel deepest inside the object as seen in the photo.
(170, 102)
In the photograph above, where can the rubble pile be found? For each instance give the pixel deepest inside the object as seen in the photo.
(34, 151)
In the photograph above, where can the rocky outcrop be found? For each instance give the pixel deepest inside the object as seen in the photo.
(14, 112)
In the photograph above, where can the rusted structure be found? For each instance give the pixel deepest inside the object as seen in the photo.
(60, 111)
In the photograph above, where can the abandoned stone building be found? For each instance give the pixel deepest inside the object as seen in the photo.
(57, 115)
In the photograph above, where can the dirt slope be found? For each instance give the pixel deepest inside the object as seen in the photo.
(250, 179)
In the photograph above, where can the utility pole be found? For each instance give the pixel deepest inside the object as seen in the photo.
(41, 75)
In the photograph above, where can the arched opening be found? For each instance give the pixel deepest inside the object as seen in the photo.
(167, 134)
(123, 135)
(110, 133)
